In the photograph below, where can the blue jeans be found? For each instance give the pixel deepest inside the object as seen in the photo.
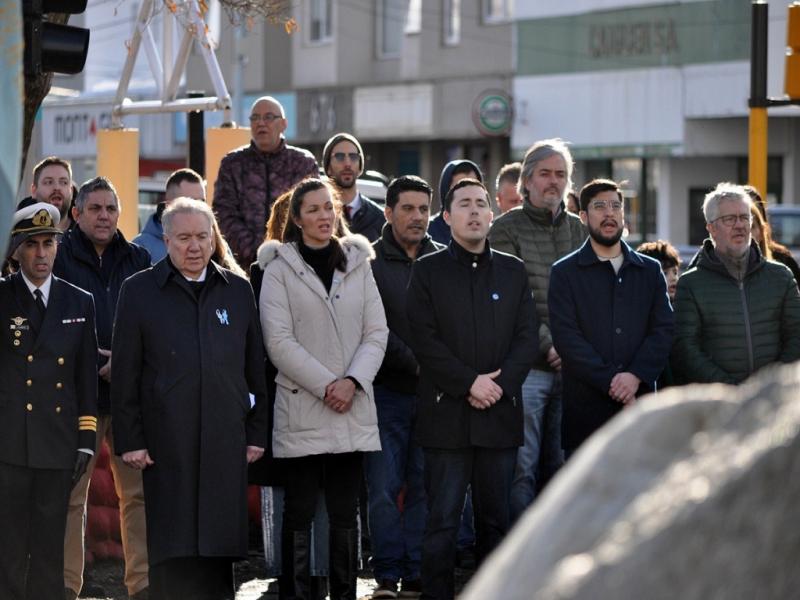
(447, 474)
(541, 400)
(396, 535)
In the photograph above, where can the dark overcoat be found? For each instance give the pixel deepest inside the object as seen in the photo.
(48, 379)
(182, 372)
(604, 323)
(468, 315)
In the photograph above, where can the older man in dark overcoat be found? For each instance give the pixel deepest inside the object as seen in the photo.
(188, 406)
(48, 405)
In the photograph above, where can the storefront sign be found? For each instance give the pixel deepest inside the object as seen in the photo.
(492, 113)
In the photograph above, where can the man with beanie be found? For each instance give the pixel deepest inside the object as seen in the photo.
(453, 172)
(343, 162)
(48, 405)
(540, 233)
(253, 176)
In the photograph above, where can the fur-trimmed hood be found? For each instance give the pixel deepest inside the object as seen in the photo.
(356, 246)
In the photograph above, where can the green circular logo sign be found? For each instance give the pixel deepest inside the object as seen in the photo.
(491, 113)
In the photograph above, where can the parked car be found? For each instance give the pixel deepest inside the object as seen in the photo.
(785, 222)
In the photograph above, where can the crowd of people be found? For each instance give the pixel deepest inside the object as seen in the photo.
(370, 367)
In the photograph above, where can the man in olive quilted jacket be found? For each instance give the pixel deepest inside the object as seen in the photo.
(540, 232)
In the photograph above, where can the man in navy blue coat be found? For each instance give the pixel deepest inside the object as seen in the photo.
(610, 317)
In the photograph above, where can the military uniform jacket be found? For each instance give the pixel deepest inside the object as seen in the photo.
(48, 379)
(181, 376)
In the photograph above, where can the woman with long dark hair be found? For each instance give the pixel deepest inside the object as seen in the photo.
(325, 332)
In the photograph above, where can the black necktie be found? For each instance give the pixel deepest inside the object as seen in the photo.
(38, 310)
(348, 212)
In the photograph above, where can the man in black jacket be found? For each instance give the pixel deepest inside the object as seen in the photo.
(96, 257)
(343, 162)
(396, 535)
(48, 406)
(473, 331)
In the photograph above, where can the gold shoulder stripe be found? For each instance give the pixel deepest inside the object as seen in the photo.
(87, 427)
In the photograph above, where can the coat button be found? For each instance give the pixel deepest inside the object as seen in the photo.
(60, 360)
(618, 330)
(30, 357)
(29, 383)
(59, 385)
(17, 333)
(16, 342)
(294, 391)
(29, 406)
(58, 409)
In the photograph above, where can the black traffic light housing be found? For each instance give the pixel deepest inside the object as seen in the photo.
(50, 47)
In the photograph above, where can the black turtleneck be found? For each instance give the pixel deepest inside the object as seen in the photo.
(319, 259)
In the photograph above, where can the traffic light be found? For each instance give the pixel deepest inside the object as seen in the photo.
(50, 47)
(792, 75)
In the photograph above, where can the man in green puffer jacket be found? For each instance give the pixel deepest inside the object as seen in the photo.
(735, 311)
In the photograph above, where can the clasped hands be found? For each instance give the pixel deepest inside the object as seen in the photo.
(484, 392)
(339, 395)
(624, 387)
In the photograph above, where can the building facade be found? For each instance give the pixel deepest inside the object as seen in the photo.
(655, 93)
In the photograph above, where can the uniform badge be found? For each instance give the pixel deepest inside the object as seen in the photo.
(19, 323)
(222, 315)
(42, 218)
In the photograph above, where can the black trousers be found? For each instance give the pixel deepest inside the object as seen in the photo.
(447, 474)
(195, 577)
(339, 475)
(33, 519)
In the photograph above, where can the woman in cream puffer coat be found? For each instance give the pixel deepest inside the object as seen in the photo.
(325, 332)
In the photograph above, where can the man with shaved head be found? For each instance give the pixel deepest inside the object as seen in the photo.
(251, 177)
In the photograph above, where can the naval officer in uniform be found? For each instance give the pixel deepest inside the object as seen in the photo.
(48, 405)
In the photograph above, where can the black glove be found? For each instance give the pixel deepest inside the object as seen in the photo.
(81, 462)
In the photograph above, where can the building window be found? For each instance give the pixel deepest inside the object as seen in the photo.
(414, 17)
(391, 22)
(497, 11)
(320, 21)
(451, 21)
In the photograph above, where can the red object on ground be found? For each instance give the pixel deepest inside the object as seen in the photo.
(102, 518)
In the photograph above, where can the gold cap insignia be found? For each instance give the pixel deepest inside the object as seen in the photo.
(42, 218)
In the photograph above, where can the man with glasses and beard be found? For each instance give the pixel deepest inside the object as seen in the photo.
(343, 162)
(610, 317)
(735, 311)
(251, 178)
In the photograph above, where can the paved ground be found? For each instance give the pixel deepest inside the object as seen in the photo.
(250, 579)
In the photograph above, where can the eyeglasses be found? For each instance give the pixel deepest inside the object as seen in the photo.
(340, 156)
(601, 205)
(731, 220)
(267, 118)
